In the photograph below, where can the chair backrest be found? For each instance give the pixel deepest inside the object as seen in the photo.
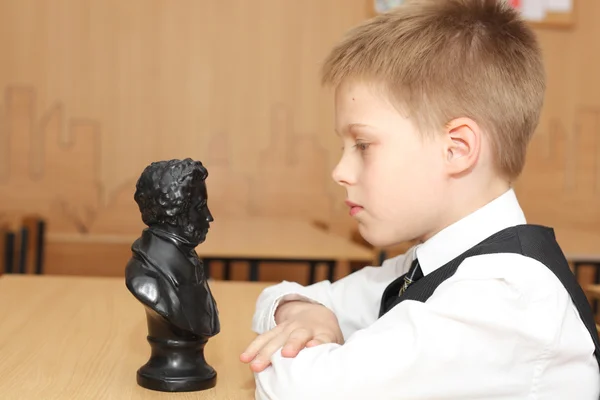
(22, 247)
(33, 247)
(7, 249)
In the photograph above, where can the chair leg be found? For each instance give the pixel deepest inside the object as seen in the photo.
(9, 256)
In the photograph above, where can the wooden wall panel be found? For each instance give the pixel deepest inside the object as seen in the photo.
(92, 91)
(561, 182)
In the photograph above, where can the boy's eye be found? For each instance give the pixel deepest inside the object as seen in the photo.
(362, 146)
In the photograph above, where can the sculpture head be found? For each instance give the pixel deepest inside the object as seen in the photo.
(172, 195)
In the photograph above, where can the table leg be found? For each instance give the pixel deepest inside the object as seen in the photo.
(330, 270)
(23, 244)
(227, 270)
(312, 272)
(253, 270)
(382, 256)
(596, 305)
(587, 274)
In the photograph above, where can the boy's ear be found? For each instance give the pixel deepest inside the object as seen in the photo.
(462, 145)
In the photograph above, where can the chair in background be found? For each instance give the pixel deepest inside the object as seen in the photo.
(22, 247)
(7, 249)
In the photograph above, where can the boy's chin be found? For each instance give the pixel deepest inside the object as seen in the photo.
(376, 238)
(381, 238)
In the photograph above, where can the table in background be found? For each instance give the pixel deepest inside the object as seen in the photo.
(84, 338)
(593, 290)
(582, 250)
(257, 240)
(279, 240)
(579, 246)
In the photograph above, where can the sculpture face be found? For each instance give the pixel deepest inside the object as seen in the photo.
(199, 216)
(172, 196)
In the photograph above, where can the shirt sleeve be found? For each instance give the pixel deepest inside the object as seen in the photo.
(354, 299)
(459, 344)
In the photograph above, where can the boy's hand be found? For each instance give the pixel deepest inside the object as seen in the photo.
(299, 325)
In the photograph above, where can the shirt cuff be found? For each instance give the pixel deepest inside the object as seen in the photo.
(266, 320)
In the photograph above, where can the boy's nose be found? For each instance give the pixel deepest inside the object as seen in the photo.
(341, 173)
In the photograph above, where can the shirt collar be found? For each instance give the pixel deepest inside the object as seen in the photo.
(502, 212)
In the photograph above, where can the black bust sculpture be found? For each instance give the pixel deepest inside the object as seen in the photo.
(167, 277)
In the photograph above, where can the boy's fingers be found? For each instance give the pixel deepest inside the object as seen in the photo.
(246, 357)
(296, 342)
(263, 358)
(320, 339)
(257, 344)
(258, 366)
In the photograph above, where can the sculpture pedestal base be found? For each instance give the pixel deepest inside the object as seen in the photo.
(176, 365)
(183, 384)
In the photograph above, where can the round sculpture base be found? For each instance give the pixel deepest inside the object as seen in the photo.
(179, 384)
(176, 364)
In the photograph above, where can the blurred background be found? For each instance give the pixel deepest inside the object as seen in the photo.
(94, 90)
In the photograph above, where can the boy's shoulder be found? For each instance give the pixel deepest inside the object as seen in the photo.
(522, 273)
(524, 256)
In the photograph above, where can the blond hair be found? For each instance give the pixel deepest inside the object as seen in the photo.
(444, 59)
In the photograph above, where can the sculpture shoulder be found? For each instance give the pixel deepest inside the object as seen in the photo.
(144, 283)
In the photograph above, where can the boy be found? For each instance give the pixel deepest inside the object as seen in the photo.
(435, 104)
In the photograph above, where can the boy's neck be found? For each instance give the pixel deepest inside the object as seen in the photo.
(465, 200)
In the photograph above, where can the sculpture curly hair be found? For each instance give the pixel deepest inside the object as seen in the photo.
(164, 188)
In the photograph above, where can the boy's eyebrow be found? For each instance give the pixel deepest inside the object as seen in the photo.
(351, 127)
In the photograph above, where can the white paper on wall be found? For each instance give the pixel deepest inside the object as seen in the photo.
(534, 10)
(563, 6)
(382, 6)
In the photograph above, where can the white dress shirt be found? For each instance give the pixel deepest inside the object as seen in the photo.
(502, 327)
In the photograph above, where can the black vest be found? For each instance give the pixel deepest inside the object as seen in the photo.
(537, 242)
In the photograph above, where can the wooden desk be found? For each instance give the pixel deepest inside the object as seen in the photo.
(84, 338)
(593, 294)
(260, 240)
(578, 245)
(582, 250)
(593, 291)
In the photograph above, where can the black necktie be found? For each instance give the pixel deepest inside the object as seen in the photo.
(414, 274)
(396, 289)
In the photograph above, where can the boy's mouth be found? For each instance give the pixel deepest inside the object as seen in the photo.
(354, 208)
